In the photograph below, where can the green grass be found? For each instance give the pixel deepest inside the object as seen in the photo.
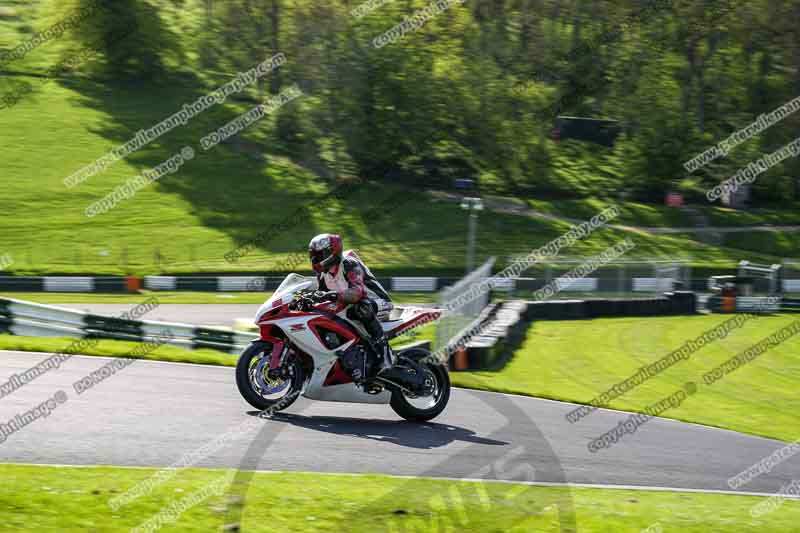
(652, 215)
(788, 215)
(186, 222)
(776, 243)
(181, 297)
(68, 500)
(422, 333)
(631, 213)
(578, 360)
(112, 348)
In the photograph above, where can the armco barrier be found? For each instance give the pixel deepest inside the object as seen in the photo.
(790, 305)
(64, 284)
(503, 333)
(672, 303)
(189, 283)
(243, 283)
(29, 319)
(556, 310)
(744, 304)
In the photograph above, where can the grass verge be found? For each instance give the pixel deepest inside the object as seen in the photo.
(578, 360)
(111, 348)
(68, 500)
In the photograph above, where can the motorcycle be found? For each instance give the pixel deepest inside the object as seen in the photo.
(309, 347)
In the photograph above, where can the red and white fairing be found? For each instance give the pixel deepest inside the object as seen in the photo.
(304, 331)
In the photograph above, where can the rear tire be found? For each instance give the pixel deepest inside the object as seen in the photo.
(404, 408)
(248, 390)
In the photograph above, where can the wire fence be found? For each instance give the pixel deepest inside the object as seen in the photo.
(790, 276)
(618, 279)
(462, 303)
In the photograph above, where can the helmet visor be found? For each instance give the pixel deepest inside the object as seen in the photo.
(318, 256)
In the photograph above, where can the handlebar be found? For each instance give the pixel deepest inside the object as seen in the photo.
(306, 299)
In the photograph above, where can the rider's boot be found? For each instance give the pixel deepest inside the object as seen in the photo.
(384, 365)
(382, 352)
(384, 355)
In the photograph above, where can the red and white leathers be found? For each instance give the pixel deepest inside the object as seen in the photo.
(354, 284)
(353, 281)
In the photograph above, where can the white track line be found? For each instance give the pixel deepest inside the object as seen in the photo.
(465, 480)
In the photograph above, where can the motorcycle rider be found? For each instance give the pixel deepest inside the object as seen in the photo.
(346, 279)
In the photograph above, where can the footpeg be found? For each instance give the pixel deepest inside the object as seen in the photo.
(354, 361)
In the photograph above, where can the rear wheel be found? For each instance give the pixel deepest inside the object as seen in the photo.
(424, 408)
(263, 388)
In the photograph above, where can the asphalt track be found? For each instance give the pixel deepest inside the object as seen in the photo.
(151, 413)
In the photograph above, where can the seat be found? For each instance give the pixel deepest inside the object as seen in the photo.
(404, 318)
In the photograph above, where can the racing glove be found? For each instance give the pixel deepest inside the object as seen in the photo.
(330, 296)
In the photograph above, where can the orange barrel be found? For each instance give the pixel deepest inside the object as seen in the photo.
(729, 304)
(133, 283)
(460, 359)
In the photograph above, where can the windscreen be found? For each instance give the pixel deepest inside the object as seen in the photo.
(291, 284)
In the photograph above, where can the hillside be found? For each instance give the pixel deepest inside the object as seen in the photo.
(187, 221)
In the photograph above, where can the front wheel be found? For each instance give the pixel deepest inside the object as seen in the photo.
(263, 388)
(424, 408)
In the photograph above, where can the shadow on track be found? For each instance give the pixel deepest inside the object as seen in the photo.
(412, 435)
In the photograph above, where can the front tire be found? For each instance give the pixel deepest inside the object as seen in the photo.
(260, 391)
(404, 407)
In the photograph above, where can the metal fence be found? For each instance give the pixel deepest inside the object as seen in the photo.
(18, 317)
(463, 302)
(617, 279)
(790, 276)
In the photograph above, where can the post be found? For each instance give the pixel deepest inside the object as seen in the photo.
(473, 222)
(472, 206)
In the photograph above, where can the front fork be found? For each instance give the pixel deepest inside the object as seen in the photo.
(278, 352)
